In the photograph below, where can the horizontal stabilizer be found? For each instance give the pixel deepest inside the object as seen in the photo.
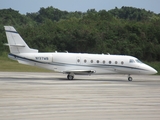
(16, 45)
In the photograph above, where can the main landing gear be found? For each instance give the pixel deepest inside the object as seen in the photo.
(130, 78)
(70, 77)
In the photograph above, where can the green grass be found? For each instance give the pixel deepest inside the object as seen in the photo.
(8, 65)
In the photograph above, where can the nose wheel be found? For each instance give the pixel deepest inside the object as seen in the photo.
(130, 78)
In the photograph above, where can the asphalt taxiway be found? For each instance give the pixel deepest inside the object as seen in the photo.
(49, 96)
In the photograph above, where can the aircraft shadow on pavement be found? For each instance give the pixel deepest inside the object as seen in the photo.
(60, 79)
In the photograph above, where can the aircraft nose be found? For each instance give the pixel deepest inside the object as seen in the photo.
(149, 69)
(152, 70)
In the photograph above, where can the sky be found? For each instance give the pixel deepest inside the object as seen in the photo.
(30, 6)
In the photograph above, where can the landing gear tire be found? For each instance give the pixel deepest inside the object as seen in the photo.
(70, 77)
(130, 79)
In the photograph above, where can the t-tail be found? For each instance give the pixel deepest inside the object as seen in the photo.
(15, 42)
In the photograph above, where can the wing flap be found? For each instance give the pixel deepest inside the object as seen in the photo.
(81, 72)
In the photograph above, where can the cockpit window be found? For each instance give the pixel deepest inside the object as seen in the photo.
(138, 61)
(131, 61)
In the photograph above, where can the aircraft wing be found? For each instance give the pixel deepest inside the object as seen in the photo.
(81, 72)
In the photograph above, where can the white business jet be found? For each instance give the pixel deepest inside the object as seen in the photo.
(74, 63)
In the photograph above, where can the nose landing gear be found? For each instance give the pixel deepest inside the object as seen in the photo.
(130, 78)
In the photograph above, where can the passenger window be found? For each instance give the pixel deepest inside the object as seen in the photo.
(131, 61)
(116, 62)
(110, 62)
(104, 61)
(97, 61)
(78, 60)
(122, 62)
(91, 61)
(85, 61)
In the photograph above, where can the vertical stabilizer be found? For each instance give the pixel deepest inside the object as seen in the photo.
(16, 43)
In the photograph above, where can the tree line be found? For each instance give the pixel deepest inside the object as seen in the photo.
(125, 31)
